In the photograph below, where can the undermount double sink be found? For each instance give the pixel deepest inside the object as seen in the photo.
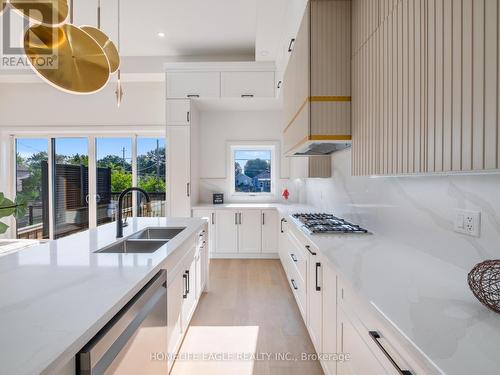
(145, 241)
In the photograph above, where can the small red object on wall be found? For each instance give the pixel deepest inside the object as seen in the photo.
(285, 194)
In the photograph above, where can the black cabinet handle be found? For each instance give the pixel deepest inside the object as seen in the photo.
(193, 95)
(213, 218)
(247, 95)
(293, 284)
(263, 219)
(187, 273)
(184, 280)
(318, 288)
(376, 337)
(294, 258)
(290, 46)
(188, 116)
(188, 189)
(282, 221)
(309, 249)
(236, 218)
(279, 84)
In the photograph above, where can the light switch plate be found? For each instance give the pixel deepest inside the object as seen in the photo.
(468, 222)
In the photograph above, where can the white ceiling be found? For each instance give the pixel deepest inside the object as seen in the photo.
(191, 27)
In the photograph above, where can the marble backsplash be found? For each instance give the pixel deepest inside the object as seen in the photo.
(415, 210)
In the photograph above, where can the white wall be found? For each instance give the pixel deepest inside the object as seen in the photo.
(219, 127)
(417, 211)
(26, 104)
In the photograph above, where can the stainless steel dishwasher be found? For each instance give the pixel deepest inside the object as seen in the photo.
(135, 340)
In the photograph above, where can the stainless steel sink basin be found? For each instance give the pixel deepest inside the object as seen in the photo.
(157, 233)
(132, 246)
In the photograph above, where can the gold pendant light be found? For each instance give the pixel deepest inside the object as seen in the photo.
(46, 12)
(80, 65)
(107, 45)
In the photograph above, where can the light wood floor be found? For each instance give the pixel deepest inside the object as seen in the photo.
(249, 308)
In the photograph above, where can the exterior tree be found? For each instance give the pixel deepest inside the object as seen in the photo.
(255, 166)
(237, 169)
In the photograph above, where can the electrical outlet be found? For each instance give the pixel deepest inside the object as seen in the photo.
(468, 222)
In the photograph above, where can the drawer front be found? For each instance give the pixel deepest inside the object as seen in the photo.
(193, 85)
(299, 290)
(247, 84)
(299, 255)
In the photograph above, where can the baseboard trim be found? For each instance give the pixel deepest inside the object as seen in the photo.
(244, 256)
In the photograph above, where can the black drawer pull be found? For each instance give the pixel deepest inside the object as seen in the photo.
(318, 288)
(293, 284)
(193, 95)
(294, 258)
(279, 84)
(282, 221)
(309, 249)
(187, 273)
(290, 46)
(247, 95)
(376, 337)
(184, 280)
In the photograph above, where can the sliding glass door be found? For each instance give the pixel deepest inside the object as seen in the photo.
(70, 186)
(151, 174)
(113, 175)
(73, 183)
(31, 177)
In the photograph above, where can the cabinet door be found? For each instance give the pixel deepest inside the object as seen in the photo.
(249, 231)
(179, 171)
(175, 292)
(178, 112)
(189, 302)
(315, 295)
(270, 231)
(362, 361)
(247, 84)
(226, 231)
(329, 335)
(193, 85)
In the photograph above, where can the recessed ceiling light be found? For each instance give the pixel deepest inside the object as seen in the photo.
(161, 35)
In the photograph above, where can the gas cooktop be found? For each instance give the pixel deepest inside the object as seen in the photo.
(320, 223)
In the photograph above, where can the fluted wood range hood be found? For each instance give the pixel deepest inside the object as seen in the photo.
(317, 82)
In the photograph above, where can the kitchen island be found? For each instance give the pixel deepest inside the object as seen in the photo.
(54, 297)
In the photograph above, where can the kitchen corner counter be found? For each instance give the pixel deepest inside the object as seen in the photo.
(54, 297)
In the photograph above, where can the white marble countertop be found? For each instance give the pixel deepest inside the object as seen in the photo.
(55, 297)
(424, 298)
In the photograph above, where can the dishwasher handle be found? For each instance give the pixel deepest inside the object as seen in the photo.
(100, 352)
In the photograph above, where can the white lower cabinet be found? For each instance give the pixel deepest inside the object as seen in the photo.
(361, 360)
(329, 330)
(243, 232)
(270, 231)
(249, 231)
(226, 231)
(187, 276)
(315, 299)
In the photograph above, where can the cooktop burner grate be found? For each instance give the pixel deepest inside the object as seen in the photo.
(320, 223)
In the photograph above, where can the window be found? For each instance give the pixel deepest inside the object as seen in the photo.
(253, 170)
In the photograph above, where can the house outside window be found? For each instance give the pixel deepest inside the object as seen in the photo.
(254, 170)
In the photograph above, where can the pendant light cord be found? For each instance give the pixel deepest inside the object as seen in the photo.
(119, 21)
(71, 16)
(99, 14)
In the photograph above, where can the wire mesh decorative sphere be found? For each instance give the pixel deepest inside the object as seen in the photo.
(484, 281)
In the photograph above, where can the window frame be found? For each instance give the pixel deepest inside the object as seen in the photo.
(273, 147)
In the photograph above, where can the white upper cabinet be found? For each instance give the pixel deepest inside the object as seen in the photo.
(247, 85)
(193, 85)
(178, 112)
